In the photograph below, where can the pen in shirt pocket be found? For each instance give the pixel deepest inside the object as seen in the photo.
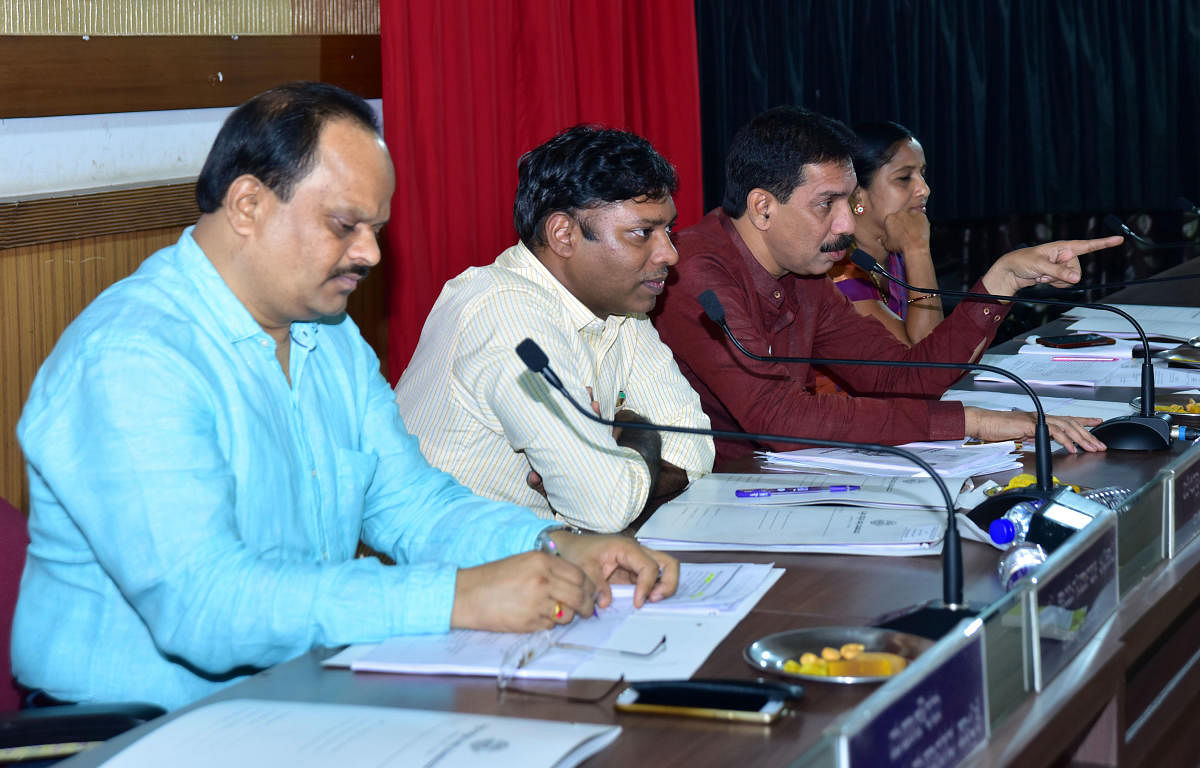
(620, 399)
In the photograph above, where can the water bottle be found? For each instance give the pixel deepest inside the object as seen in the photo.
(1013, 526)
(1017, 561)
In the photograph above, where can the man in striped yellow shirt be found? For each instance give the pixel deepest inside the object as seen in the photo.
(594, 213)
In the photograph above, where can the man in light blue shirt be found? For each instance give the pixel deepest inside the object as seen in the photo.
(211, 438)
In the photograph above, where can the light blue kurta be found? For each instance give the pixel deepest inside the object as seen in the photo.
(194, 516)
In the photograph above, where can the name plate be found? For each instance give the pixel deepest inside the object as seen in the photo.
(935, 723)
(1184, 495)
(1074, 593)
(1007, 635)
(1142, 532)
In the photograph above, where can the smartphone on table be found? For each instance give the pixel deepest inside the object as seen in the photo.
(1075, 340)
(713, 702)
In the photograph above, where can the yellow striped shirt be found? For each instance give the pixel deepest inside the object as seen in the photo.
(482, 416)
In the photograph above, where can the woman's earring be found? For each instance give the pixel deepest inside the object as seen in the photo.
(858, 209)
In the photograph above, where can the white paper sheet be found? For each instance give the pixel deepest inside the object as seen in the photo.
(249, 733)
(621, 626)
(872, 491)
(1179, 323)
(1122, 349)
(1124, 373)
(841, 530)
(952, 459)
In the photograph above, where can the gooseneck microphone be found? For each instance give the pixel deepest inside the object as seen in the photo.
(932, 619)
(990, 508)
(1118, 227)
(1143, 431)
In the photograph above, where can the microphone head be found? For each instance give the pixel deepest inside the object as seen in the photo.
(863, 261)
(532, 355)
(1115, 225)
(712, 307)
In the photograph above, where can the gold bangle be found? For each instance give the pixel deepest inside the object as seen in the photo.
(915, 299)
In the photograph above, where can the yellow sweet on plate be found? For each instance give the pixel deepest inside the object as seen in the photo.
(1024, 480)
(856, 663)
(1191, 407)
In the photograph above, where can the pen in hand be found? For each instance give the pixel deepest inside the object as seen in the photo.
(754, 493)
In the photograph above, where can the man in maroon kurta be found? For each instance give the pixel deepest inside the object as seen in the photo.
(784, 222)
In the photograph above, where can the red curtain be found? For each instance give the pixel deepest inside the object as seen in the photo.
(468, 87)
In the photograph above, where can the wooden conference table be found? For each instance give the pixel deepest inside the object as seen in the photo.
(1131, 696)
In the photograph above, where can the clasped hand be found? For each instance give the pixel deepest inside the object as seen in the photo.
(905, 232)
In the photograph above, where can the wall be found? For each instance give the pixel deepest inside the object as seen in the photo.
(107, 110)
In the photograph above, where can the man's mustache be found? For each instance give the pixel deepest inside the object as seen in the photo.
(361, 270)
(840, 244)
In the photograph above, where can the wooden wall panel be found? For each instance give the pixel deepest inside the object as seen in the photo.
(72, 75)
(43, 287)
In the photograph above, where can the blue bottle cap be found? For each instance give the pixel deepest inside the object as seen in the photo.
(1002, 531)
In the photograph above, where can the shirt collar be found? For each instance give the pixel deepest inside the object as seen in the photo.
(227, 310)
(765, 284)
(520, 259)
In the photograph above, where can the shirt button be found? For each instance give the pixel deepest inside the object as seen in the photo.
(314, 473)
(263, 342)
(777, 294)
(987, 311)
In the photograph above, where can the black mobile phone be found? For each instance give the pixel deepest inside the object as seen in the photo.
(1073, 340)
(702, 701)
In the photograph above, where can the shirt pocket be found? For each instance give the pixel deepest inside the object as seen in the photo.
(355, 471)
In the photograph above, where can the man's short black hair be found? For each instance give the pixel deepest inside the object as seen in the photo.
(274, 137)
(770, 153)
(586, 166)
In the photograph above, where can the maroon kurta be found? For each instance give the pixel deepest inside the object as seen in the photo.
(796, 316)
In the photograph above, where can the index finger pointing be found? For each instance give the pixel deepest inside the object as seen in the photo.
(1098, 244)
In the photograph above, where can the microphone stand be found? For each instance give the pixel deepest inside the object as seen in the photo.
(1118, 227)
(1143, 431)
(932, 619)
(990, 508)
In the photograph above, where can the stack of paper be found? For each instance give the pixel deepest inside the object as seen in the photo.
(712, 598)
(1175, 323)
(1005, 401)
(249, 732)
(1056, 406)
(774, 528)
(806, 488)
(952, 459)
(1037, 369)
(706, 588)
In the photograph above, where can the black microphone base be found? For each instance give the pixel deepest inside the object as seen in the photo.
(994, 506)
(1134, 433)
(933, 619)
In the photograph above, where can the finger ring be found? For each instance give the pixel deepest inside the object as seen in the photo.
(558, 610)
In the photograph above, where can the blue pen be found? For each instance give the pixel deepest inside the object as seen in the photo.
(755, 493)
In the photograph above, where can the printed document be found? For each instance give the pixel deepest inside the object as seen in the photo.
(1176, 323)
(620, 641)
(808, 488)
(250, 733)
(840, 530)
(1036, 369)
(950, 459)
